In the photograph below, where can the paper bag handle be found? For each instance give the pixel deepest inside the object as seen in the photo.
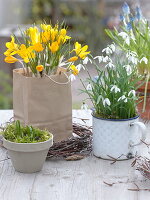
(57, 81)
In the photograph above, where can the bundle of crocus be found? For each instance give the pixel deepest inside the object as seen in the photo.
(42, 89)
(44, 50)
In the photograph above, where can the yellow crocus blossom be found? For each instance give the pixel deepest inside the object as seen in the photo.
(73, 59)
(26, 53)
(40, 68)
(81, 51)
(54, 47)
(33, 34)
(63, 32)
(46, 27)
(53, 34)
(38, 47)
(12, 47)
(75, 71)
(45, 36)
(10, 59)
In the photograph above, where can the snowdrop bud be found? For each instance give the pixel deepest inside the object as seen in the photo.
(108, 50)
(72, 77)
(80, 66)
(100, 58)
(115, 89)
(128, 69)
(84, 106)
(144, 59)
(110, 65)
(123, 98)
(132, 92)
(106, 59)
(89, 87)
(125, 36)
(106, 102)
(85, 61)
(112, 46)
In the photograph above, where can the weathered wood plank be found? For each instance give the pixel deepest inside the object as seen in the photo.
(70, 180)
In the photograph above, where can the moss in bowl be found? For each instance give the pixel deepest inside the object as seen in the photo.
(15, 132)
(27, 146)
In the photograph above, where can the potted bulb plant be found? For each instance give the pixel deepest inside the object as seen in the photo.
(116, 125)
(41, 88)
(133, 37)
(27, 146)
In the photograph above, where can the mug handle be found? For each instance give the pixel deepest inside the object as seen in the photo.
(142, 127)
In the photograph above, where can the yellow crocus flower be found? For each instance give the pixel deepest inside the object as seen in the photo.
(26, 53)
(46, 27)
(73, 59)
(45, 36)
(77, 47)
(53, 34)
(10, 59)
(38, 47)
(40, 68)
(81, 51)
(63, 32)
(34, 35)
(75, 71)
(12, 47)
(54, 47)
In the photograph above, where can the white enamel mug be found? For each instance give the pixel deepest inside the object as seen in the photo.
(117, 139)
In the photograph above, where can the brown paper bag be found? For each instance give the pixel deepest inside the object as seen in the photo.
(43, 102)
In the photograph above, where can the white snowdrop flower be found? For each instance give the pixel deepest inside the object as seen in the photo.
(86, 60)
(106, 59)
(128, 69)
(110, 65)
(100, 58)
(84, 106)
(108, 50)
(132, 57)
(115, 89)
(106, 102)
(72, 77)
(132, 92)
(123, 98)
(125, 36)
(112, 46)
(144, 59)
(89, 87)
(80, 66)
(131, 53)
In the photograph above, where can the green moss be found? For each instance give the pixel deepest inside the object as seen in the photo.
(15, 132)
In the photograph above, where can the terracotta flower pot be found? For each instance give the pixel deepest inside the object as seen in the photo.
(141, 90)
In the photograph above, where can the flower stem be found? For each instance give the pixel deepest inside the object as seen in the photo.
(145, 93)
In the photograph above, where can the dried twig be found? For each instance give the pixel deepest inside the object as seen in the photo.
(80, 145)
(137, 189)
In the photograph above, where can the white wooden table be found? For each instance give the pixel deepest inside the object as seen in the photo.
(71, 180)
